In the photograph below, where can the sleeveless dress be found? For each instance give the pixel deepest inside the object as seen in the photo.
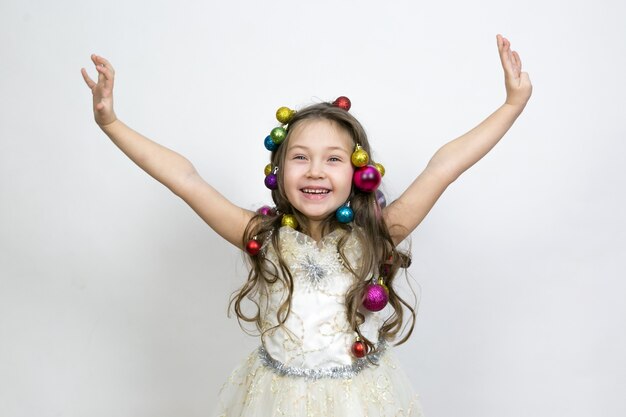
(305, 368)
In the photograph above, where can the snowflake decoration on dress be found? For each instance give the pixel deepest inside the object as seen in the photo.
(313, 271)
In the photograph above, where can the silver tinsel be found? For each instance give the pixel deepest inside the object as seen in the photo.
(313, 271)
(337, 372)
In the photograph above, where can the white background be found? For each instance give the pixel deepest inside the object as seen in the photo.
(113, 293)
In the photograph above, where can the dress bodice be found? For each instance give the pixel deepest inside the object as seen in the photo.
(316, 334)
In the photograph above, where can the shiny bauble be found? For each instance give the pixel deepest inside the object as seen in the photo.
(375, 297)
(264, 211)
(289, 220)
(380, 169)
(269, 144)
(381, 282)
(271, 181)
(253, 247)
(268, 169)
(278, 135)
(284, 114)
(359, 157)
(380, 199)
(344, 214)
(359, 349)
(343, 102)
(367, 178)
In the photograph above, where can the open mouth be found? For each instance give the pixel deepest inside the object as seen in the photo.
(318, 191)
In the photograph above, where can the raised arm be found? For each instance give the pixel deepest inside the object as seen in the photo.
(166, 166)
(455, 157)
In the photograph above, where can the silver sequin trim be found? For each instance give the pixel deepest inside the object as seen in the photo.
(337, 372)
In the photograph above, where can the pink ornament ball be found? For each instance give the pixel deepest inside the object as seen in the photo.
(367, 178)
(375, 298)
(265, 210)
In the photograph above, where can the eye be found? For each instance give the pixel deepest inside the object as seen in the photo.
(299, 157)
(334, 159)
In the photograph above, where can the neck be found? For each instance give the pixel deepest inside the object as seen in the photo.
(315, 229)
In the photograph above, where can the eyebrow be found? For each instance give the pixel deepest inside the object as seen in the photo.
(306, 148)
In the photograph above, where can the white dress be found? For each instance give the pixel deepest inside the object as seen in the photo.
(305, 368)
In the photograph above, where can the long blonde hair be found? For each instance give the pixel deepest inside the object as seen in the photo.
(379, 253)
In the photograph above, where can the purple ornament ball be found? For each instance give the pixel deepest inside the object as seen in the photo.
(375, 297)
(380, 198)
(367, 178)
(271, 181)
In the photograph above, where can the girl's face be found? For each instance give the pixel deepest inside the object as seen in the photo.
(317, 170)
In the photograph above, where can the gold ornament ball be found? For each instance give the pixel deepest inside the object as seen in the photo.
(289, 220)
(381, 282)
(380, 168)
(360, 158)
(268, 169)
(284, 114)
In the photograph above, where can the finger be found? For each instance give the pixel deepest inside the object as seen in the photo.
(517, 60)
(107, 72)
(505, 56)
(90, 83)
(104, 63)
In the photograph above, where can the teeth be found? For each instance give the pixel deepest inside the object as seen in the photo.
(315, 191)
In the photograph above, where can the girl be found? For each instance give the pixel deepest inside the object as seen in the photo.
(323, 261)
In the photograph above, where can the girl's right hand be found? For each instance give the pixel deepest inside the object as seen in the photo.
(102, 91)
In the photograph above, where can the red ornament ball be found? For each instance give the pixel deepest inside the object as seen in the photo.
(253, 247)
(343, 102)
(359, 349)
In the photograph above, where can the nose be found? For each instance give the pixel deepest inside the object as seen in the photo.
(316, 170)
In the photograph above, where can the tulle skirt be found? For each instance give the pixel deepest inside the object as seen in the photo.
(254, 389)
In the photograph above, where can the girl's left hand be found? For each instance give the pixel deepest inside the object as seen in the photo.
(518, 86)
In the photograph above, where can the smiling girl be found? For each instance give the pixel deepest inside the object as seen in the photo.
(323, 260)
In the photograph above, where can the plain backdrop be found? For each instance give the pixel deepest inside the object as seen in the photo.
(113, 293)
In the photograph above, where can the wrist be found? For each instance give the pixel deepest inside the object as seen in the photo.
(107, 123)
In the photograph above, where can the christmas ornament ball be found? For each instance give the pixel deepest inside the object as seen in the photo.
(253, 247)
(269, 144)
(343, 102)
(381, 199)
(271, 181)
(359, 157)
(375, 297)
(284, 114)
(380, 168)
(344, 214)
(268, 169)
(290, 221)
(278, 135)
(359, 349)
(367, 178)
(264, 210)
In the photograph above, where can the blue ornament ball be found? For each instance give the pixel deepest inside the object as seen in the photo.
(344, 214)
(270, 145)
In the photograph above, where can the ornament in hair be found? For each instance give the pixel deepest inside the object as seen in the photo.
(271, 180)
(344, 214)
(359, 349)
(367, 178)
(376, 296)
(359, 157)
(342, 102)
(289, 220)
(253, 246)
